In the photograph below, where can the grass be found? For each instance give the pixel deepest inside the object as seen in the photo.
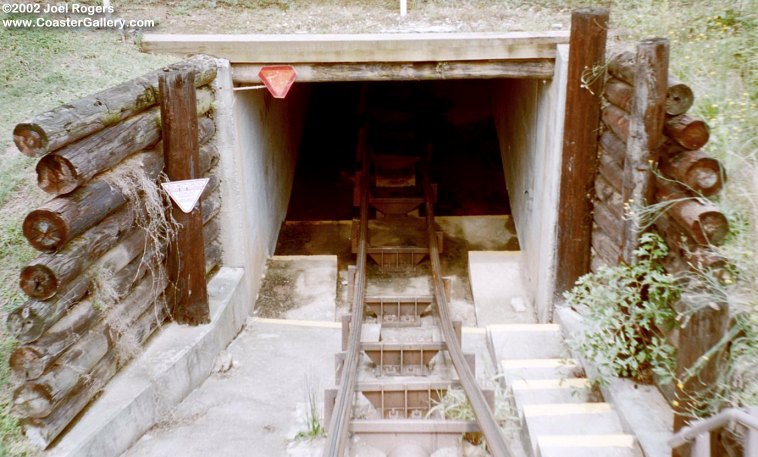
(314, 427)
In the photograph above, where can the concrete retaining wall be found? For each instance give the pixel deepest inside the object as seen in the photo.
(529, 120)
(259, 137)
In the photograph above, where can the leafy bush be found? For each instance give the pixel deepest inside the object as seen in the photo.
(628, 308)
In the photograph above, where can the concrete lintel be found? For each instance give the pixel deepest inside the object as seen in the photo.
(175, 361)
(388, 47)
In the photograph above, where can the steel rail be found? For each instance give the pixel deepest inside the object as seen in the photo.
(484, 416)
(338, 428)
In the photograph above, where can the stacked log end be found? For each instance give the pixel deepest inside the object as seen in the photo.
(98, 282)
(682, 178)
(686, 175)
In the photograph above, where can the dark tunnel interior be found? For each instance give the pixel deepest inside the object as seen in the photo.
(454, 117)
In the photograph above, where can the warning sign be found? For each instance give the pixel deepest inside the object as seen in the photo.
(185, 193)
(278, 79)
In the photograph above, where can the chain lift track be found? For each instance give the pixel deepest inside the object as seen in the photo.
(405, 404)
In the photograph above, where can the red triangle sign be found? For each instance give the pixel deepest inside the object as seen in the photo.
(278, 79)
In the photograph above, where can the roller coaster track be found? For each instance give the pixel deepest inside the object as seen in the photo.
(339, 427)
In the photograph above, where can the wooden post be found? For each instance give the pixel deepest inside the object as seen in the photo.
(704, 330)
(589, 27)
(185, 262)
(645, 136)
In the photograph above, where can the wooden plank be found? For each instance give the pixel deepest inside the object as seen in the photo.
(391, 47)
(605, 247)
(589, 28)
(185, 262)
(607, 220)
(646, 121)
(405, 71)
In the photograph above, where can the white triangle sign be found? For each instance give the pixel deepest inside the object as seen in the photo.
(185, 193)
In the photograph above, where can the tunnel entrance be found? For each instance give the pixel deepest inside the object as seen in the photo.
(451, 122)
(495, 151)
(495, 128)
(455, 120)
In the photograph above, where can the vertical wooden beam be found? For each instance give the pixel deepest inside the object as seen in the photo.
(589, 28)
(185, 263)
(646, 120)
(703, 331)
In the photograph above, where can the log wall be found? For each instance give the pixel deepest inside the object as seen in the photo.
(96, 290)
(679, 171)
(671, 172)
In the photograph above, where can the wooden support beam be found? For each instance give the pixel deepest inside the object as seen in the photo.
(185, 263)
(364, 47)
(648, 114)
(405, 71)
(705, 328)
(589, 29)
(67, 123)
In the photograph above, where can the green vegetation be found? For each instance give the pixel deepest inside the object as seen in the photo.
(714, 49)
(628, 310)
(314, 428)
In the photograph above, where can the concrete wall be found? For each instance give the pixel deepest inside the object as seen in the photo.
(260, 139)
(529, 121)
